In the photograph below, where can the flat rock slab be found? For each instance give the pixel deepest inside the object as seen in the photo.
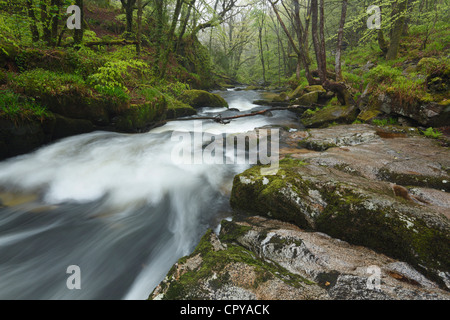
(384, 191)
(268, 260)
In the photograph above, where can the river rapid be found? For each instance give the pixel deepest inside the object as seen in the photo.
(115, 205)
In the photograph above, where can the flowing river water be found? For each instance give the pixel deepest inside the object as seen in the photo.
(115, 205)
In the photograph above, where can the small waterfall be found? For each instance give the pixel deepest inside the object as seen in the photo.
(115, 205)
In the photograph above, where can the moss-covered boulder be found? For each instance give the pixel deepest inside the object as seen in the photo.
(282, 97)
(219, 269)
(138, 117)
(308, 99)
(63, 127)
(178, 109)
(330, 114)
(200, 99)
(298, 92)
(258, 258)
(315, 88)
(19, 138)
(349, 207)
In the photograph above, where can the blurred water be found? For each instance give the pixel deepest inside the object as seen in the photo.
(115, 205)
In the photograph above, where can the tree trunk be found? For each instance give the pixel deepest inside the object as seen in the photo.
(47, 34)
(300, 50)
(56, 7)
(169, 43)
(184, 26)
(159, 31)
(382, 42)
(128, 6)
(397, 30)
(139, 27)
(316, 40)
(323, 52)
(33, 26)
(338, 68)
(79, 33)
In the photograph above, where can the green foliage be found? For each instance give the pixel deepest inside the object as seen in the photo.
(16, 108)
(383, 73)
(433, 65)
(118, 74)
(115, 92)
(38, 82)
(432, 133)
(384, 122)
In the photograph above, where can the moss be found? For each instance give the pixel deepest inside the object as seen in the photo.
(255, 194)
(406, 179)
(384, 230)
(367, 115)
(200, 99)
(282, 97)
(281, 242)
(177, 109)
(298, 92)
(214, 262)
(138, 117)
(316, 145)
(232, 231)
(54, 59)
(315, 88)
(349, 214)
(325, 116)
(308, 99)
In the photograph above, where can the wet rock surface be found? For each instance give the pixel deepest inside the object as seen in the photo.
(268, 259)
(349, 197)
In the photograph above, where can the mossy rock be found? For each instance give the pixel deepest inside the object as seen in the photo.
(253, 88)
(367, 115)
(55, 60)
(210, 273)
(20, 138)
(298, 92)
(138, 117)
(178, 109)
(308, 99)
(357, 210)
(330, 114)
(78, 106)
(315, 88)
(427, 65)
(201, 99)
(63, 127)
(8, 53)
(282, 97)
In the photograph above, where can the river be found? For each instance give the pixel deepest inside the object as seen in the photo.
(115, 205)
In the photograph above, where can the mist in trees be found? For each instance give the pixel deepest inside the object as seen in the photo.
(259, 41)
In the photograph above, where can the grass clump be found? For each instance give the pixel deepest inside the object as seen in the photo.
(17, 108)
